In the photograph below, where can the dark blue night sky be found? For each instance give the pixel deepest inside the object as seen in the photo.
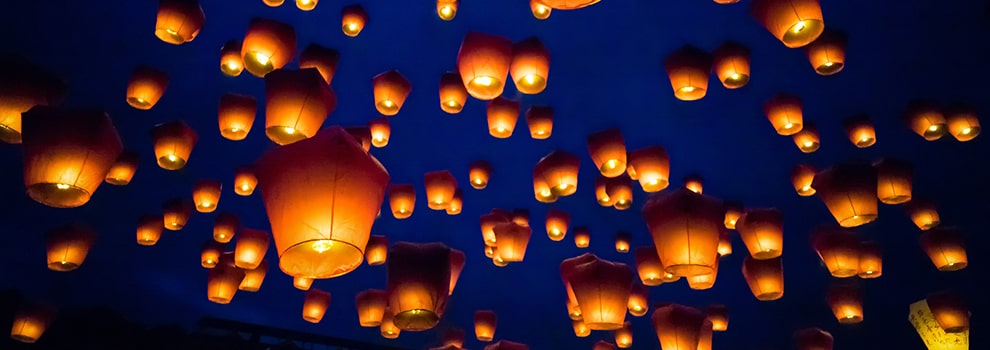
(606, 71)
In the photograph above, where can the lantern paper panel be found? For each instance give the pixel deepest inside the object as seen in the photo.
(31, 321)
(447, 10)
(861, 132)
(176, 213)
(846, 302)
(559, 171)
(949, 310)
(122, 171)
(231, 62)
(923, 213)
(731, 65)
(801, 177)
(719, 316)
(827, 54)
(503, 114)
(371, 305)
(540, 11)
(381, 131)
(639, 303)
(582, 237)
(453, 95)
(762, 230)
(306, 5)
(724, 244)
(931, 332)
(694, 183)
(685, 227)
(387, 327)
(254, 278)
(608, 152)
(210, 255)
(764, 277)
(485, 322)
(925, 118)
(146, 87)
(785, 114)
(440, 187)
(224, 280)
(418, 280)
(704, 282)
(601, 289)
(302, 283)
(651, 271)
(839, 250)
(236, 115)
(893, 181)
(946, 248)
(557, 222)
(402, 200)
(245, 180)
(870, 260)
(315, 305)
(651, 167)
(963, 124)
(149, 229)
(679, 327)
(456, 203)
(540, 122)
(807, 140)
(206, 195)
(850, 193)
(251, 247)
(377, 250)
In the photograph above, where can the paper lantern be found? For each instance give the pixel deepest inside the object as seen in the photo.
(608, 152)
(446, 10)
(567, 267)
(353, 19)
(950, 311)
(479, 173)
(483, 61)
(488, 222)
(179, 21)
(244, 181)
(601, 192)
(580, 329)
(68, 246)
(520, 217)
(390, 90)
(604, 345)
(703, 282)
(497, 259)
(541, 189)
(688, 70)
(679, 327)
(273, 3)
(963, 124)
(223, 281)
(795, 23)
(784, 113)
(297, 103)
(251, 248)
(849, 192)
(302, 283)
(861, 132)
(582, 237)
(315, 305)
(231, 62)
(694, 183)
(802, 176)
(846, 302)
(456, 203)
(122, 170)
(838, 249)
(485, 322)
(731, 65)
(24, 85)
(371, 305)
(489, 251)
(453, 339)
(149, 229)
(206, 195)
(619, 191)
(923, 213)
(762, 230)
(174, 142)
(418, 279)
(387, 327)
(440, 187)
(870, 260)
(224, 227)
(540, 11)
(926, 119)
(648, 265)
(540, 122)
(268, 45)
(402, 200)
(651, 167)
(452, 93)
(557, 223)
(31, 322)
(377, 250)
(813, 339)
(502, 116)
(601, 289)
(569, 4)
(210, 255)
(733, 211)
(380, 131)
(724, 244)
(827, 54)
(638, 303)
(559, 170)
(719, 317)
(361, 134)
(946, 249)
(893, 181)
(931, 332)
(457, 260)
(685, 228)
(807, 140)
(530, 66)
(622, 242)
(511, 241)
(176, 213)
(236, 116)
(764, 277)
(506, 345)
(322, 58)
(322, 195)
(253, 278)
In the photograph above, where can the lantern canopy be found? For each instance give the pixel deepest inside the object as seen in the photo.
(479, 173)
(250, 248)
(963, 123)
(146, 87)
(23, 85)
(268, 45)
(530, 66)
(925, 119)
(923, 213)
(174, 142)
(557, 223)
(949, 310)
(483, 61)
(861, 132)
(651, 167)
(371, 305)
(558, 170)
(149, 229)
(381, 131)
(440, 187)
(511, 240)
(870, 260)
(795, 23)
(402, 200)
(179, 21)
(802, 177)
(254, 278)
(485, 322)
(122, 170)
(297, 103)
(846, 302)
(390, 91)
(893, 181)
(206, 195)
(946, 248)
(315, 305)
(244, 180)
(224, 280)
(719, 316)
(176, 213)
(68, 247)
(685, 228)
(377, 250)
(688, 69)
(807, 140)
(679, 327)
(231, 62)
(850, 193)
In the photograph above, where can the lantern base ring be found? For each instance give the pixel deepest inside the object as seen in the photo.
(58, 195)
(23, 338)
(62, 266)
(416, 320)
(602, 326)
(689, 270)
(320, 258)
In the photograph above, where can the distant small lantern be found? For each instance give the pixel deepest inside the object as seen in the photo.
(648, 266)
(608, 152)
(838, 249)
(731, 65)
(68, 246)
(963, 124)
(254, 278)
(353, 19)
(827, 54)
(870, 260)
(540, 122)
(387, 326)
(733, 211)
(483, 61)
(250, 248)
(149, 229)
(268, 45)
(926, 119)
(306, 5)
(622, 242)
(440, 188)
(784, 113)
(231, 62)
(601, 289)
(559, 171)
(685, 227)
(456, 203)
(224, 280)
(503, 114)
(447, 9)
(530, 66)
(179, 21)
(580, 329)
(540, 11)
(302, 283)
(371, 306)
(236, 116)
(485, 322)
(315, 305)
(511, 241)
(479, 173)
(694, 183)
(146, 87)
(813, 339)
(893, 181)
(846, 302)
(457, 260)
(174, 142)
(807, 140)
(377, 251)
(639, 303)
(390, 91)
(688, 69)
(651, 167)
(582, 237)
(454, 338)
(802, 176)
(418, 279)
(452, 93)
(950, 311)
(324, 59)
(719, 316)
(704, 281)
(210, 255)
(245, 181)
(206, 195)
(679, 327)
(123, 169)
(861, 131)
(557, 223)
(381, 130)
(297, 103)
(624, 336)
(724, 244)
(762, 230)
(795, 23)
(31, 322)
(176, 213)
(946, 249)
(849, 191)
(764, 277)
(923, 213)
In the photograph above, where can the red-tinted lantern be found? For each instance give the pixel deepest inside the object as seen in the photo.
(688, 69)
(391, 90)
(795, 23)
(483, 61)
(179, 21)
(146, 87)
(267, 46)
(296, 104)
(530, 66)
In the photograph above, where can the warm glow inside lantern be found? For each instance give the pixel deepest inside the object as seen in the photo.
(724, 244)
(949, 310)
(254, 278)
(870, 260)
(485, 322)
(210, 255)
(540, 122)
(807, 140)
(719, 316)
(802, 177)
(224, 280)
(608, 152)
(850, 193)
(688, 69)
(685, 228)
(244, 181)
(569, 4)
(582, 237)
(511, 241)
(381, 130)
(315, 305)
(483, 61)
(530, 66)
(764, 277)
(622, 242)
(540, 11)
(838, 249)
(231, 62)
(580, 329)
(488, 222)
(447, 9)
(624, 336)
(456, 203)
(123, 169)
(694, 183)
(861, 131)
(963, 124)
(827, 54)
(813, 339)
(926, 119)
(418, 280)
(502, 116)
(846, 302)
(784, 113)
(453, 338)
(296, 104)
(648, 265)
(390, 91)
(68, 246)
(731, 65)
(639, 303)
(440, 187)
(31, 322)
(371, 306)
(322, 58)
(377, 251)
(651, 167)
(795, 23)
(452, 93)
(559, 171)
(236, 115)
(149, 229)
(733, 210)
(176, 213)
(387, 325)
(601, 289)
(267, 46)
(946, 249)
(893, 181)
(705, 281)
(174, 142)
(306, 5)
(206, 195)
(557, 223)
(679, 327)
(250, 248)
(179, 21)
(762, 230)
(479, 172)
(353, 18)
(923, 213)
(302, 283)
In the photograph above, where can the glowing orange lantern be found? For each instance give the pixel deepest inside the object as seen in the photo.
(210, 255)
(267, 46)
(679, 327)
(371, 306)
(648, 265)
(733, 211)
(530, 66)
(457, 260)
(870, 260)
(688, 70)
(719, 316)
(764, 277)
(485, 322)
(838, 249)
(950, 311)
(601, 289)
(206, 195)
(149, 229)
(502, 116)
(651, 167)
(704, 282)
(622, 242)
(846, 302)
(353, 19)
(457, 203)
(315, 305)
(541, 190)
(251, 248)
(440, 188)
(179, 21)
(849, 192)
(254, 278)
(361, 134)
(580, 329)
(511, 241)
(479, 173)
(68, 246)
(762, 230)
(694, 183)
(557, 223)
(724, 244)
(176, 214)
(618, 192)
(923, 213)
(388, 328)
(296, 104)
(893, 181)
(380, 132)
(559, 171)
(244, 181)
(688, 225)
(731, 64)
(567, 268)
(446, 10)
(418, 279)
(540, 122)
(608, 151)
(302, 283)
(582, 237)
(122, 170)
(306, 5)
(231, 63)
(926, 120)
(174, 142)
(813, 339)
(604, 345)
(236, 116)
(391, 90)
(483, 61)
(488, 222)
(784, 113)
(802, 177)
(452, 93)
(827, 54)
(861, 132)
(377, 251)
(322, 58)
(946, 249)
(963, 124)
(807, 140)
(638, 303)
(453, 338)
(223, 281)
(31, 322)
(520, 217)
(795, 23)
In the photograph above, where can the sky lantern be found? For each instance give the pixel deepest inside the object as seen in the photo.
(619, 192)
(387, 325)
(784, 113)
(452, 93)
(506, 345)
(923, 213)
(380, 129)
(541, 189)
(179, 21)
(418, 278)
(479, 173)
(244, 181)
(353, 18)
(322, 195)
(705, 281)
(489, 251)
(267, 46)
(223, 281)
(580, 329)
(176, 213)
(926, 119)
(440, 187)
(324, 59)
(559, 171)
(946, 249)
(149, 229)
(949, 310)
(16, 98)
(648, 265)
(67, 154)
(719, 316)
(622, 242)
(813, 339)
(315, 305)
(483, 61)
(254, 278)
(601, 289)
(731, 65)
(963, 124)
(540, 122)
(679, 327)
(733, 210)
(870, 260)
(764, 277)
(530, 66)
(520, 217)
(582, 237)
(236, 115)
(801, 177)
(297, 103)
(540, 11)
(377, 250)
(567, 267)
(390, 90)
(608, 152)
(724, 244)
(861, 132)
(651, 167)
(601, 192)
(231, 62)
(795, 23)
(922, 317)
(685, 228)
(31, 322)
(849, 191)
(846, 302)
(446, 10)
(569, 4)
(456, 203)
(893, 181)
(705, 336)
(146, 87)
(371, 306)
(302, 283)
(361, 134)
(827, 54)
(502, 116)
(694, 183)
(306, 5)
(639, 303)
(604, 345)
(251, 248)
(839, 250)
(122, 170)
(807, 140)
(762, 230)
(557, 223)
(402, 200)
(511, 241)
(206, 195)
(453, 338)
(488, 222)
(210, 255)
(174, 142)
(68, 246)
(497, 259)
(688, 70)
(457, 260)
(485, 322)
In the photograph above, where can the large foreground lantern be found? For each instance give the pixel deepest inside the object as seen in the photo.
(483, 61)
(608, 152)
(795, 23)
(146, 87)
(762, 230)
(235, 115)
(850, 193)
(179, 21)
(502, 114)
(67, 154)
(371, 305)
(31, 321)
(827, 54)
(68, 246)
(731, 65)
(452, 93)
(324, 59)
(174, 142)
(680, 327)
(322, 195)
(784, 113)
(296, 104)
(925, 119)
(569, 4)
(685, 228)
(267, 46)
(601, 289)
(353, 18)
(813, 339)
(390, 91)
(530, 66)
(764, 277)
(418, 278)
(688, 69)
(946, 248)
(839, 250)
